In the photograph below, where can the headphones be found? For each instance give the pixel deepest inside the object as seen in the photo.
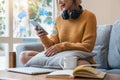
(73, 14)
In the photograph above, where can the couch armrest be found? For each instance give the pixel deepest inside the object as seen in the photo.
(27, 47)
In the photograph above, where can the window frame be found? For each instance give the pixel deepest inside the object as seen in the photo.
(10, 40)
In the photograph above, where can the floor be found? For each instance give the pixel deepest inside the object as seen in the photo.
(2, 62)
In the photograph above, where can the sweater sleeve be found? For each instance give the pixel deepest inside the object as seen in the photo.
(48, 42)
(88, 40)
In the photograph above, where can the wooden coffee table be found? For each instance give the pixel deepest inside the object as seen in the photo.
(20, 76)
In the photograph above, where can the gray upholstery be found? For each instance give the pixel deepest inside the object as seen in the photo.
(25, 47)
(114, 71)
(102, 45)
(114, 48)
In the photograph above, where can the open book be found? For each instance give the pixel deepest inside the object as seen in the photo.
(84, 71)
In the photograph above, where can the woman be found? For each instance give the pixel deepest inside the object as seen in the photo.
(75, 29)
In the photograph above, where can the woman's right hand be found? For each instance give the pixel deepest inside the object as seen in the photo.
(40, 32)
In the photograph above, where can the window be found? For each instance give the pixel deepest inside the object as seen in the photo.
(15, 27)
(3, 18)
(3, 31)
(38, 10)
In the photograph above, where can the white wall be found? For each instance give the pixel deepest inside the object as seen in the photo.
(106, 11)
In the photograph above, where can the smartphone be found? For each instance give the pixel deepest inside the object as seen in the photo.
(35, 24)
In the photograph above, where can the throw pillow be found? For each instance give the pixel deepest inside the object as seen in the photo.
(101, 45)
(114, 48)
(40, 60)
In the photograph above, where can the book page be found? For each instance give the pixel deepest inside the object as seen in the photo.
(61, 74)
(89, 72)
(80, 71)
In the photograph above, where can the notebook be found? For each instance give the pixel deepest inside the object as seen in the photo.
(30, 70)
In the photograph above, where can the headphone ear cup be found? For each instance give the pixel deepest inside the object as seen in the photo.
(74, 14)
(65, 15)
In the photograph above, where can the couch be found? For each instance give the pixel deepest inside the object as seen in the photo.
(107, 48)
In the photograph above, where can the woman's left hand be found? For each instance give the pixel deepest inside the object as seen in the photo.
(51, 51)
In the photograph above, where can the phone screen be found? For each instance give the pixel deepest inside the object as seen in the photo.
(35, 24)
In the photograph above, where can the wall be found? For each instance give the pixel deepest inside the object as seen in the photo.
(106, 11)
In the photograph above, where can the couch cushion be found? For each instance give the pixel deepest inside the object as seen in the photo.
(114, 48)
(37, 46)
(113, 71)
(102, 44)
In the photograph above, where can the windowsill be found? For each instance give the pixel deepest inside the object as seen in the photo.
(2, 62)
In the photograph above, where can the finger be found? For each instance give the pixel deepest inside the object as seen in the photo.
(40, 31)
(50, 52)
(36, 29)
(47, 51)
(42, 34)
(53, 53)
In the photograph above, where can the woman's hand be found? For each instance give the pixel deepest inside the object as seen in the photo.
(40, 32)
(51, 51)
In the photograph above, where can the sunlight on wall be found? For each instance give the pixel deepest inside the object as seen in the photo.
(106, 11)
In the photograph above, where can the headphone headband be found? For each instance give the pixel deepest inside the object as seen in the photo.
(73, 14)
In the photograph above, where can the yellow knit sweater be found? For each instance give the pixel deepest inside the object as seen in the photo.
(78, 34)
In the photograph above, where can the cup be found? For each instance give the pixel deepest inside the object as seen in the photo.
(68, 62)
(12, 59)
